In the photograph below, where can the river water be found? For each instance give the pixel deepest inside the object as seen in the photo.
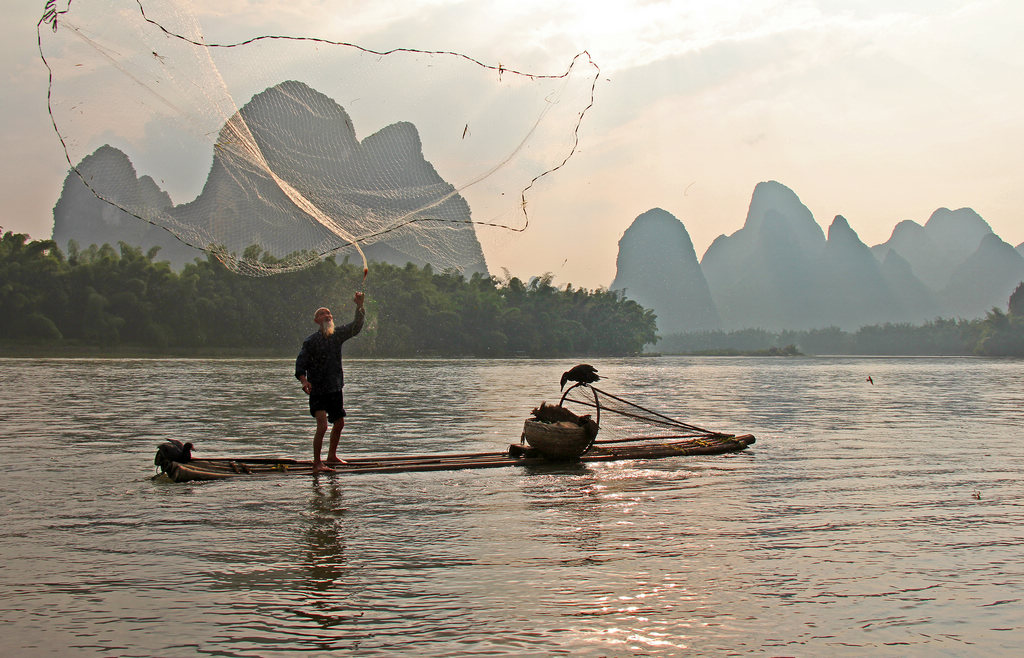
(883, 518)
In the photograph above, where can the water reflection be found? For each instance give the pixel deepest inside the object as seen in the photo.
(324, 533)
(568, 499)
(867, 519)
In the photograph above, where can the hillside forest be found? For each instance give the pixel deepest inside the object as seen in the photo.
(107, 300)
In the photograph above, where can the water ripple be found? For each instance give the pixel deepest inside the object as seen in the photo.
(866, 519)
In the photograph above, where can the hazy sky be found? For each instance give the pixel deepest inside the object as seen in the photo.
(881, 112)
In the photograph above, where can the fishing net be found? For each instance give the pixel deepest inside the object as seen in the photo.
(623, 421)
(275, 151)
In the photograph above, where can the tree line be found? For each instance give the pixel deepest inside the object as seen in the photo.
(999, 333)
(106, 298)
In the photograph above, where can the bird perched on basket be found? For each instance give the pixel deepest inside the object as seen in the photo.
(583, 374)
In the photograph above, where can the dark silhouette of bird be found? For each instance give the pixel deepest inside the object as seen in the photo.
(871, 381)
(583, 373)
(173, 451)
(186, 450)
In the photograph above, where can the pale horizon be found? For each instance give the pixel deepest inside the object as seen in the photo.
(880, 114)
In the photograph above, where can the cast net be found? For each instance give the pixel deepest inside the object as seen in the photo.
(626, 421)
(273, 151)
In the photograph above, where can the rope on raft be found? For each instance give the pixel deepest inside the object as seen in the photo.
(647, 416)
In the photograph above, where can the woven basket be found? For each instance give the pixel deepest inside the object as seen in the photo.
(563, 440)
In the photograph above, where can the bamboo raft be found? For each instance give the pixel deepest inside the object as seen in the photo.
(221, 468)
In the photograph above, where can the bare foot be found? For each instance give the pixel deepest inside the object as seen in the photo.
(336, 461)
(319, 467)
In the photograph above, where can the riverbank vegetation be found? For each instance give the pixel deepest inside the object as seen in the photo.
(121, 301)
(103, 301)
(999, 333)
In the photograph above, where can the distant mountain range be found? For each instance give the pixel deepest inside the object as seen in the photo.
(658, 268)
(780, 271)
(301, 131)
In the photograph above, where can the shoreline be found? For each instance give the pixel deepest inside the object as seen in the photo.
(30, 350)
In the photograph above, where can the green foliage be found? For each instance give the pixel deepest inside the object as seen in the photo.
(937, 337)
(1016, 305)
(31, 290)
(1002, 334)
(788, 350)
(106, 297)
(744, 341)
(998, 334)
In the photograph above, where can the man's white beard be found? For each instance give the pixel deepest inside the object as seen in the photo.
(327, 328)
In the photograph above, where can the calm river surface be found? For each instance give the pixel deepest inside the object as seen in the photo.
(882, 519)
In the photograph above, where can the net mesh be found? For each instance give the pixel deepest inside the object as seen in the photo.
(302, 147)
(624, 421)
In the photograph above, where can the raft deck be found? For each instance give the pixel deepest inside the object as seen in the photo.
(221, 468)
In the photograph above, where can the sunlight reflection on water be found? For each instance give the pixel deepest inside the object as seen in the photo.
(883, 518)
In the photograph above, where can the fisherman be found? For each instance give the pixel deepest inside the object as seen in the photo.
(318, 367)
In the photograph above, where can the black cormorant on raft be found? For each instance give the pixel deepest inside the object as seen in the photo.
(553, 435)
(581, 374)
(173, 451)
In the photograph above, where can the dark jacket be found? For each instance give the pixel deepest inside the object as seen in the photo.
(320, 357)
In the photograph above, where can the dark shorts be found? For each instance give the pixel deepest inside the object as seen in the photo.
(332, 403)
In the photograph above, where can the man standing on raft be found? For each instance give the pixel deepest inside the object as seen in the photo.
(319, 369)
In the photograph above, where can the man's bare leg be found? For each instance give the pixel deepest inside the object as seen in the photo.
(318, 442)
(332, 451)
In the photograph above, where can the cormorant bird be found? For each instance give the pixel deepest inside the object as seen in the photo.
(583, 373)
(174, 451)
